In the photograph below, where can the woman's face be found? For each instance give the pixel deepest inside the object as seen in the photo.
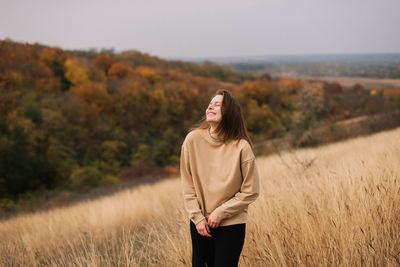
(213, 111)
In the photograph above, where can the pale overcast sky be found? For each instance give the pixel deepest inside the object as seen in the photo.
(207, 28)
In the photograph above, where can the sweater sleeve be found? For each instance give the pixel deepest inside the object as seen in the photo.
(189, 194)
(248, 193)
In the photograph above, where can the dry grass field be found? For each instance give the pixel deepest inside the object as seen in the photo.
(342, 209)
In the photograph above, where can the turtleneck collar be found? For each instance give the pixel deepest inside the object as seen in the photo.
(210, 139)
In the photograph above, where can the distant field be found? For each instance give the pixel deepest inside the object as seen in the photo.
(335, 205)
(368, 83)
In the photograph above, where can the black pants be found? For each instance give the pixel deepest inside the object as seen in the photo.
(222, 249)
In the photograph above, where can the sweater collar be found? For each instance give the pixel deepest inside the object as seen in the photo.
(210, 139)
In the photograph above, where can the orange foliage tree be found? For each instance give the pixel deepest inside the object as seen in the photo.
(119, 70)
(103, 62)
(94, 93)
(148, 73)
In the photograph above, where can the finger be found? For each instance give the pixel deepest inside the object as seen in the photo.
(201, 230)
(213, 224)
(207, 229)
(206, 234)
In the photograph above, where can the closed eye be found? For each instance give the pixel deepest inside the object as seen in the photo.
(216, 104)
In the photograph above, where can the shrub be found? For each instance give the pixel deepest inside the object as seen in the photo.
(84, 178)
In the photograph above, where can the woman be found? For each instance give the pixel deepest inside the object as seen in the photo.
(219, 180)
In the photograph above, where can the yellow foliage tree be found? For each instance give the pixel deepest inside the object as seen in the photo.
(76, 71)
(148, 73)
(261, 118)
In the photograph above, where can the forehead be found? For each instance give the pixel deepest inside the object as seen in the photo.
(217, 98)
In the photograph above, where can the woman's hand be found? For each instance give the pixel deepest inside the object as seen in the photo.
(213, 220)
(202, 228)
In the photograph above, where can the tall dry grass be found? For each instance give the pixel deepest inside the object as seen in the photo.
(341, 210)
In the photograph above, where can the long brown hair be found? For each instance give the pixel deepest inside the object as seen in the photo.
(232, 125)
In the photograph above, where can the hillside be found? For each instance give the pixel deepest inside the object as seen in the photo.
(75, 121)
(335, 205)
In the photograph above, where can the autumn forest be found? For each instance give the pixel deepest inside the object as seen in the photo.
(71, 121)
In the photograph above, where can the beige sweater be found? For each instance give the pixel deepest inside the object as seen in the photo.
(218, 176)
